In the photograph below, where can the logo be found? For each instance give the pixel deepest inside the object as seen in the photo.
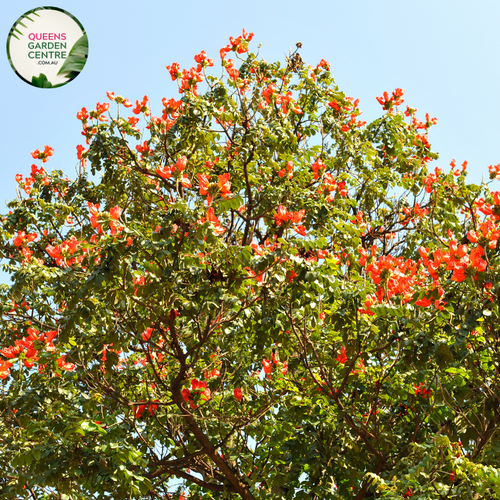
(47, 47)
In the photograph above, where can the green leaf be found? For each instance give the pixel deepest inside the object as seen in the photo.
(90, 426)
(233, 203)
(442, 441)
(41, 82)
(76, 59)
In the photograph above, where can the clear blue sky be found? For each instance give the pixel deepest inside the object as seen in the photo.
(443, 53)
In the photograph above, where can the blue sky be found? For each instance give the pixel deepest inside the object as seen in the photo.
(443, 53)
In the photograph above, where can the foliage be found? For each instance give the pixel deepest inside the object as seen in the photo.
(256, 295)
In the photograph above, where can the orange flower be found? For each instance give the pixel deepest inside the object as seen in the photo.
(93, 208)
(12, 352)
(164, 172)
(218, 229)
(185, 181)
(258, 249)
(43, 155)
(5, 369)
(284, 216)
(204, 183)
(181, 163)
(115, 212)
(82, 115)
(224, 185)
(141, 107)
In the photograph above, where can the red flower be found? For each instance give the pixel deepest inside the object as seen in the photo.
(174, 71)
(342, 358)
(317, 166)
(397, 96)
(206, 394)
(64, 365)
(395, 100)
(238, 394)
(197, 384)
(164, 172)
(218, 229)
(147, 334)
(12, 352)
(267, 366)
(214, 373)
(43, 155)
(423, 391)
(19, 239)
(322, 254)
(152, 407)
(204, 184)
(82, 115)
(424, 302)
(5, 369)
(186, 394)
(139, 410)
(284, 216)
(50, 336)
(141, 106)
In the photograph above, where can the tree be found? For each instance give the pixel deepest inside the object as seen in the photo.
(257, 295)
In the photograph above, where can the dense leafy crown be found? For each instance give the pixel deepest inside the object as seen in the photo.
(257, 295)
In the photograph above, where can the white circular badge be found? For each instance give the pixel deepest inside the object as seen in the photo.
(47, 47)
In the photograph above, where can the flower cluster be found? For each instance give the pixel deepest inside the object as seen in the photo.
(210, 189)
(198, 388)
(396, 99)
(43, 155)
(176, 170)
(283, 217)
(25, 350)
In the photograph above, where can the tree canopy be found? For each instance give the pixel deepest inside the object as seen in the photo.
(254, 295)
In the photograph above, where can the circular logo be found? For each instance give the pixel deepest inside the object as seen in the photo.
(47, 47)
